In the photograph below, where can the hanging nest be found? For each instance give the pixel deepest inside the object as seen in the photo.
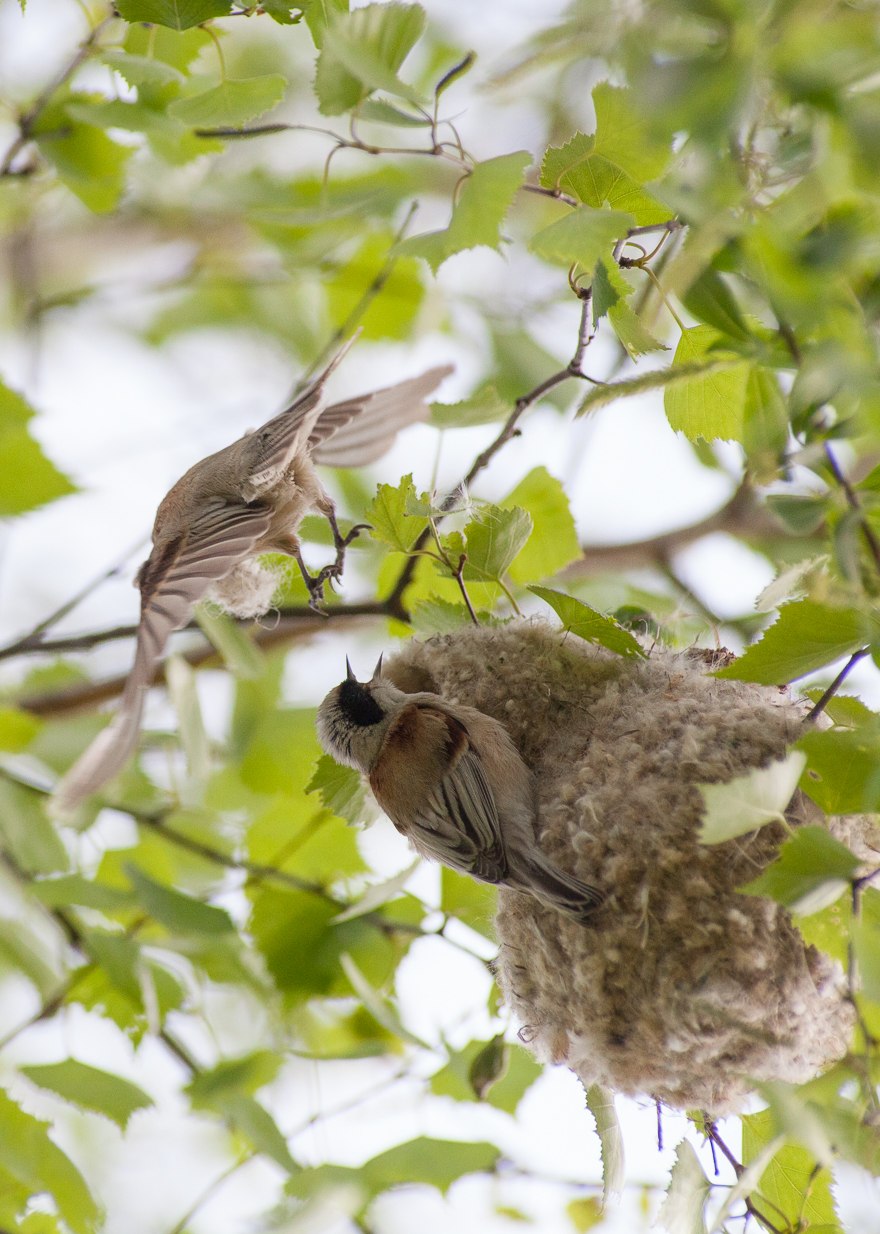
(680, 987)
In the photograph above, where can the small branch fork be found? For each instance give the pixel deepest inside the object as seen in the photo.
(295, 620)
(752, 1209)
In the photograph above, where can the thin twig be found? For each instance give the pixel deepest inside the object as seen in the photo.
(459, 578)
(508, 430)
(852, 499)
(33, 640)
(369, 294)
(69, 927)
(29, 118)
(821, 703)
(738, 1169)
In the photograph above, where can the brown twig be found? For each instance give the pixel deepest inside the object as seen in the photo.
(852, 500)
(821, 703)
(508, 430)
(69, 927)
(738, 1168)
(369, 294)
(29, 118)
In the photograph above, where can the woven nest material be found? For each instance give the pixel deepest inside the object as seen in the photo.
(681, 988)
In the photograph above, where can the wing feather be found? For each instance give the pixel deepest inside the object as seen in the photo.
(448, 810)
(172, 582)
(358, 431)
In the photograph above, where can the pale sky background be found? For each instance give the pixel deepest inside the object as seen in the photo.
(124, 420)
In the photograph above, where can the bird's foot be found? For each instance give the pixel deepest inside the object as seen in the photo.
(342, 542)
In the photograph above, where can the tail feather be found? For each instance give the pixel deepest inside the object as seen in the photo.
(115, 744)
(536, 874)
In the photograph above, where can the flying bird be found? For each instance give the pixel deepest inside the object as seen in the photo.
(246, 499)
(451, 780)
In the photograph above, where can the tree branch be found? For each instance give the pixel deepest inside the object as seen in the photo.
(69, 927)
(30, 117)
(508, 430)
(821, 703)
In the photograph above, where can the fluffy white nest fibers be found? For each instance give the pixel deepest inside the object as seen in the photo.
(680, 987)
(247, 590)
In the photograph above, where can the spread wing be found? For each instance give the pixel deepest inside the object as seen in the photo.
(172, 581)
(430, 781)
(360, 430)
(279, 438)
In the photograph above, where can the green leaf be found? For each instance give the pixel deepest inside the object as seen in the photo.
(486, 196)
(485, 406)
(361, 52)
(341, 789)
(790, 1185)
(471, 902)
(26, 831)
(313, 966)
(553, 543)
(441, 617)
(747, 802)
(494, 538)
(281, 11)
(584, 1213)
(380, 111)
(488, 1065)
(866, 941)
(175, 14)
(600, 1103)
(812, 871)
(141, 71)
(490, 1071)
(91, 1089)
(378, 894)
(70, 889)
(381, 1009)
(179, 913)
(633, 334)
(807, 635)
(388, 518)
(682, 375)
(29, 479)
(610, 287)
(126, 969)
(34, 1160)
(829, 930)
(584, 236)
(587, 624)
(319, 14)
(843, 769)
(17, 729)
(682, 1210)
(232, 103)
(802, 515)
(240, 653)
(86, 160)
(711, 405)
(766, 427)
(425, 1161)
(27, 956)
(711, 301)
(389, 315)
(181, 680)
(233, 1077)
(259, 1128)
(611, 167)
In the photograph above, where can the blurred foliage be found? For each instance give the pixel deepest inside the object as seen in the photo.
(722, 202)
